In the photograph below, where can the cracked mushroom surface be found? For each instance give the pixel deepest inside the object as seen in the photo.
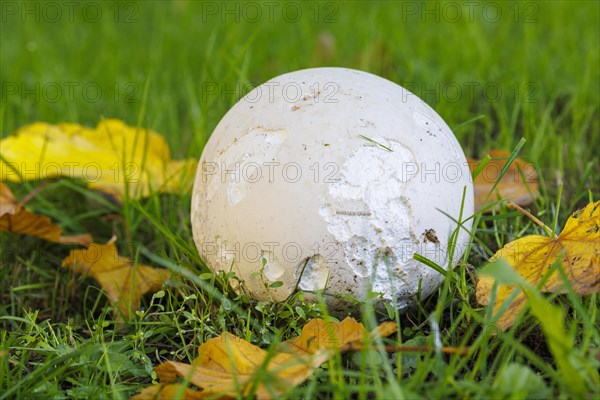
(331, 179)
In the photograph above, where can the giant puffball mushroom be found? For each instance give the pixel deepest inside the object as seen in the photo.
(329, 180)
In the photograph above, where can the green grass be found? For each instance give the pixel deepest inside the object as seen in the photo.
(172, 67)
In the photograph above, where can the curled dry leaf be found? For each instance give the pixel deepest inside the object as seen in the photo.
(228, 365)
(113, 158)
(14, 218)
(519, 184)
(577, 248)
(123, 281)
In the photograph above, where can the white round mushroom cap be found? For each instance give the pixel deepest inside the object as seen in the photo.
(331, 179)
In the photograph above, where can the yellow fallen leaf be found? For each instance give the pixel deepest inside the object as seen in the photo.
(14, 218)
(113, 158)
(228, 365)
(123, 282)
(318, 334)
(519, 184)
(578, 249)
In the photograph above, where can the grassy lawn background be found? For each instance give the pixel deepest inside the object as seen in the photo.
(531, 71)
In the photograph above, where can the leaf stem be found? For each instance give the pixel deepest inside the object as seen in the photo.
(32, 194)
(517, 207)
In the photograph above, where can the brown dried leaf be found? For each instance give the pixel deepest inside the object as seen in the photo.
(14, 218)
(577, 247)
(124, 282)
(8, 204)
(519, 184)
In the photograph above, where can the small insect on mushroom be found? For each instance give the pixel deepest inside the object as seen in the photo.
(431, 236)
